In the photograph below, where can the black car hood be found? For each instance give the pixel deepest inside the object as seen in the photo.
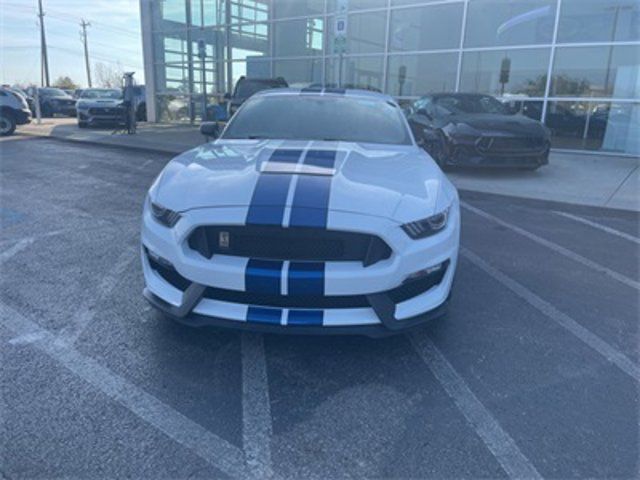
(489, 122)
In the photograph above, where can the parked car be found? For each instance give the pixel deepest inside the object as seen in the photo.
(77, 92)
(53, 101)
(29, 99)
(319, 214)
(100, 106)
(14, 110)
(468, 129)
(245, 87)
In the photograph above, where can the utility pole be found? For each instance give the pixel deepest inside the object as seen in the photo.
(43, 47)
(84, 24)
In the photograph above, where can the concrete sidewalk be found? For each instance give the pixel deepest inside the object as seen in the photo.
(602, 181)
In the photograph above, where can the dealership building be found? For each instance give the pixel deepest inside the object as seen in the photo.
(574, 64)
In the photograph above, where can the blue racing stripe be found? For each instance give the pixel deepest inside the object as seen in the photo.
(311, 198)
(305, 317)
(270, 194)
(305, 278)
(263, 276)
(264, 315)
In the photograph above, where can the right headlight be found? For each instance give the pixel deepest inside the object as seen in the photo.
(427, 226)
(163, 215)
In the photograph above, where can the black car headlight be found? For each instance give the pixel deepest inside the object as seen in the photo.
(427, 226)
(163, 215)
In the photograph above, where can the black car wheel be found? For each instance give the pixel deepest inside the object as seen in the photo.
(440, 149)
(46, 111)
(7, 124)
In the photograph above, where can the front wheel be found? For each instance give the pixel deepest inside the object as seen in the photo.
(7, 124)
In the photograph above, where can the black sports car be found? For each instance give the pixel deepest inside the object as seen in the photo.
(477, 130)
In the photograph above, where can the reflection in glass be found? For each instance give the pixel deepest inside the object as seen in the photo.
(173, 108)
(517, 106)
(174, 11)
(332, 5)
(509, 22)
(299, 73)
(365, 32)
(419, 74)
(299, 37)
(611, 71)
(599, 21)
(601, 126)
(426, 28)
(505, 72)
(297, 8)
(357, 72)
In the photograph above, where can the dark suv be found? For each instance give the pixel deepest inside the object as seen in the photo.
(54, 101)
(245, 87)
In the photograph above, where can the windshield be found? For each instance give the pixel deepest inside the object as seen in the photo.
(470, 104)
(315, 117)
(111, 93)
(247, 88)
(52, 92)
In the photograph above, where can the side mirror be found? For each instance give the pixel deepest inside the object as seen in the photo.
(210, 129)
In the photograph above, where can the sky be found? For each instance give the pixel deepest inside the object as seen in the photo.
(114, 38)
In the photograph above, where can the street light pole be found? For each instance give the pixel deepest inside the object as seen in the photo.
(84, 24)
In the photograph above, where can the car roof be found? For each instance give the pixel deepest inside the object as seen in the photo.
(318, 91)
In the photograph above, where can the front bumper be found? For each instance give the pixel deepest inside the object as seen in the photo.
(466, 153)
(103, 119)
(23, 116)
(374, 301)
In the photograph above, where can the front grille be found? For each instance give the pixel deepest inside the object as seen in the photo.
(299, 244)
(489, 145)
(104, 111)
(399, 294)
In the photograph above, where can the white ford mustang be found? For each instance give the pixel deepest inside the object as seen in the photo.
(314, 212)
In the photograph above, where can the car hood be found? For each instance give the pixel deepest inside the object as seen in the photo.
(510, 124)
(99, 102)
(401, 183)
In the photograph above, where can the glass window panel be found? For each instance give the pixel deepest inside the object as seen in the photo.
(249, 39)
(300, 37)
(173, 108)
(297, 8)
(206, 13)
(365, 32)
(609, 127)
(299, 73)
(357, 72)
(332, 5)
(426, 28)
(482, 72)
(174, 11)
(243, 11)
(599, 21)
(410, 2)
(517, 106)
(509, 22)
(611, 71)
(419, 74)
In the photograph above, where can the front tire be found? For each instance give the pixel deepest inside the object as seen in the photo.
(7, 124)
(82, 124)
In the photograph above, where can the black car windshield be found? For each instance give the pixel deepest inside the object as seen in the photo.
(247, 88)
(315, 117)
(110, 93)
(52, 92)
(469, 104)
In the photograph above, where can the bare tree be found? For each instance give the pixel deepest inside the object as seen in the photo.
(65, 82)
(108, 76)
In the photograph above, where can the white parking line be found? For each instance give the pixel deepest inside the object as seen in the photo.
(555, 247)
(604, 228)
(256, 407)
(603, 348)
(497, 440)
(84, 315)
(17, 248)
(208, 446)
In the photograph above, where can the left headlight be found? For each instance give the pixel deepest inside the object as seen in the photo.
(163, 215)
(427, 226)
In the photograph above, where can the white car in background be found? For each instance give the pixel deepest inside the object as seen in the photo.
(314, 212)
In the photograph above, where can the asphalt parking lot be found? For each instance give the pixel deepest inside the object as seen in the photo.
(533, 373)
